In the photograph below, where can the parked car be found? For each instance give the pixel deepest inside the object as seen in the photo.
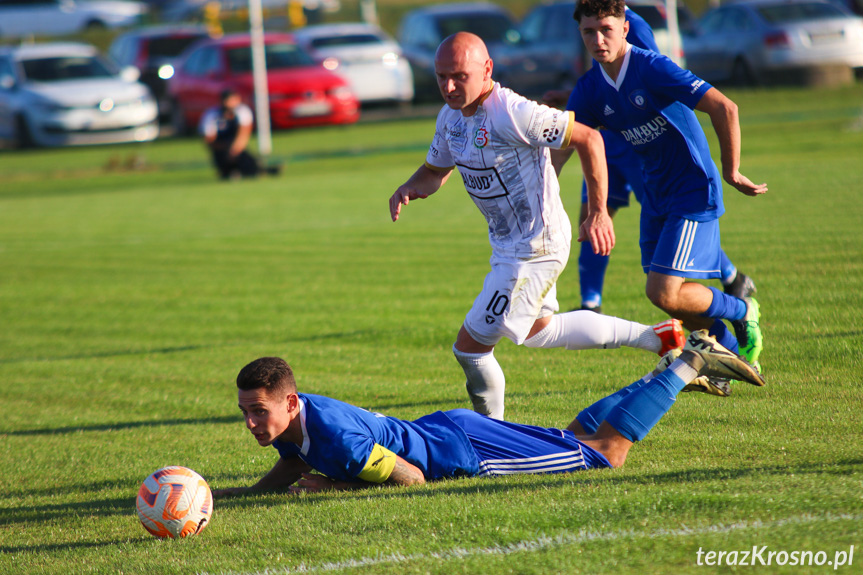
(758, 40)
(550, 43)
(655, 14)
(422, 30)
(154, 51)
(370, 60)
(549, 37)
(302, 92)
(197, 10)
(62, 94)
(22, 18)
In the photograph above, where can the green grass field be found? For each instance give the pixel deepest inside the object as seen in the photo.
(129, 299)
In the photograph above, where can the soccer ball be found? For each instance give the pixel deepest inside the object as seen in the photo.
(174, 502)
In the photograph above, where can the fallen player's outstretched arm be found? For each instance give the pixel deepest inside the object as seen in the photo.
(283, 474)
(403, 473)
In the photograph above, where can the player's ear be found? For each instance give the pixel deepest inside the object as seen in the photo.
(293, 401)
(625, 28)
(489, 67)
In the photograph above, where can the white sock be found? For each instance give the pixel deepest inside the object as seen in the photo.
(589, 330)
(485, 381)
(683, 370)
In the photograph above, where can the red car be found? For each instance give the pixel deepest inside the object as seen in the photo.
(302, 93)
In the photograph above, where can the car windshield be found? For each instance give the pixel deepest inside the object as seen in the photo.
(344, 40)
(785, 13)
(279, 56)
(65, 68)
(489, 27)
(170, 47)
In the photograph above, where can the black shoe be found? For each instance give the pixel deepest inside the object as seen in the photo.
(594, 309)
(741, 287)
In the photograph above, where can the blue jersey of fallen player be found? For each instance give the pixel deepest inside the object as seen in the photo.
(651, 106)
(347, 443)
(340, 439)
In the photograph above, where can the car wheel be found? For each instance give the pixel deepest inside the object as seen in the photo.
(23, 135)
(178, 119)
(741, 74)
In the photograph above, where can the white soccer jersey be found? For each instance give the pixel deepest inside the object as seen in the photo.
(502, 154)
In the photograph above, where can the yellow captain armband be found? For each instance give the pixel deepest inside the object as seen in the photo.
(379, 466)
(567, 137)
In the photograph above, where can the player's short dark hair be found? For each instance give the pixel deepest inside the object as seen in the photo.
(271, 373)
(599, 9)
(227, 93)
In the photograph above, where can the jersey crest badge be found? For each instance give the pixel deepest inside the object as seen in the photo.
(638, 98)
(480, 139)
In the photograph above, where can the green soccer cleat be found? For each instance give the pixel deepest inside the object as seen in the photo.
(748, 332)
(719, 361)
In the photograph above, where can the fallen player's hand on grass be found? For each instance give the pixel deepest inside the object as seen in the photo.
(314, 483)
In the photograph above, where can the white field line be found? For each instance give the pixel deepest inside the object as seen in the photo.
(543, 542)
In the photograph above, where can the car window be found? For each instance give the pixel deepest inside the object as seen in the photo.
(6, 68)
(121, 50)
(419, 31)
(278, 56)
(489, 27)
(712, 21)
(532, 28)
(170, 46)
(64, 68)
(194, 63)
(344, 40)
(210, 61)
(737, 21)
(654, 17)
(783, 13)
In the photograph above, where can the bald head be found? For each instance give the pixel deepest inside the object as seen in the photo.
(463, 68)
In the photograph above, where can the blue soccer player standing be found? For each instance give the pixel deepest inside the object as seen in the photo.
(625, 179)
(650, 101)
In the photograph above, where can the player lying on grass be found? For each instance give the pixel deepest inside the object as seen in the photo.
(355, 448)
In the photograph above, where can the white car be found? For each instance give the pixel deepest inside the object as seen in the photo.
(20, 19)
(66, 94)
(370, 60)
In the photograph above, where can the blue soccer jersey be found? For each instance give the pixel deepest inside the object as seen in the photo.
(344, 442)
(651, 106)
(340, 439)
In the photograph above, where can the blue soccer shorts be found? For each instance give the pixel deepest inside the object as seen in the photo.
(674, 246)
(505, 448)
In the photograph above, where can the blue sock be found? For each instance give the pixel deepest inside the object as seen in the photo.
(726, 268)
(724, 336)
(725, 306)
(591, 274)
(590, 417)
(638, 412)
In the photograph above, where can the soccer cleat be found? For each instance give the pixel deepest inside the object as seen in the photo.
(741, 287)
(719, 361)
(587, 307)
(709, 385)
(748, 331)
(671, 335)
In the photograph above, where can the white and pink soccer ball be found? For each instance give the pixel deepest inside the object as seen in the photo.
(174, 502)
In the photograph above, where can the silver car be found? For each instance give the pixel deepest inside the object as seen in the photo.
(365, 56)
(66, 94)
(19, 19)
(762, 40)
